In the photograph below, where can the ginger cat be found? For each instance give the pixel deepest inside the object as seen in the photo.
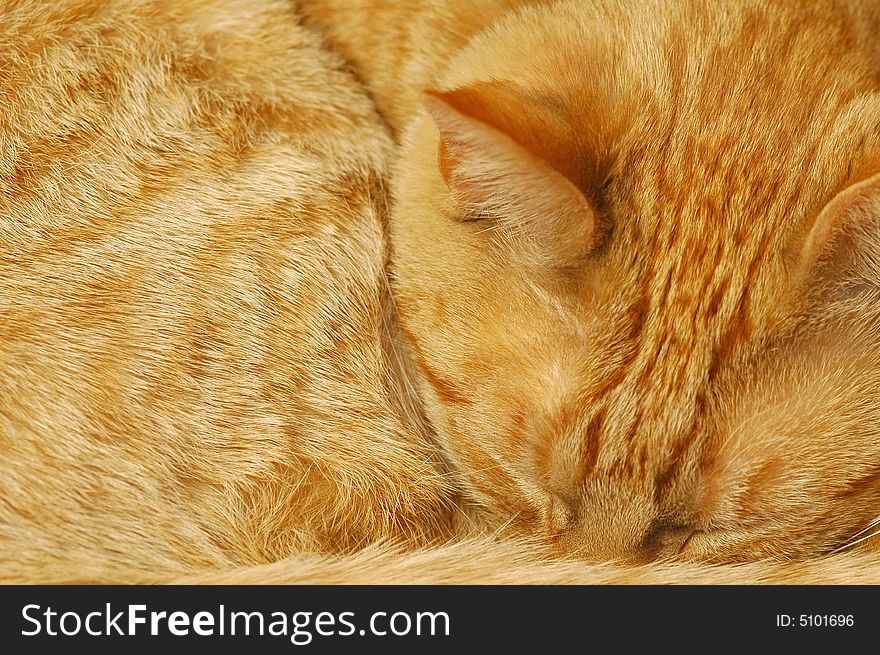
(622, 304)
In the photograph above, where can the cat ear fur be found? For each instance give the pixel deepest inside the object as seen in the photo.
(491, 161)
(845, 238)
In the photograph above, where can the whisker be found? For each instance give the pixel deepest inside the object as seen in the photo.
(855, 542)
(490, 228)
(866, 528)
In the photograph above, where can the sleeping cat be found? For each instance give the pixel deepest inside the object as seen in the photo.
(622, 304)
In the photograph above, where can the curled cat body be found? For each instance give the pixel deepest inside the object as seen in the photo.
(358, 291)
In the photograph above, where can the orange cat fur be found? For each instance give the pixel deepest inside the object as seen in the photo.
(705, 368)
(634, 256)
(193, 371)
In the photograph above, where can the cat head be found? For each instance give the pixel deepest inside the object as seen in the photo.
(636, 258)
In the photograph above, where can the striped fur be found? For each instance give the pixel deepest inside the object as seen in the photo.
(623, 305)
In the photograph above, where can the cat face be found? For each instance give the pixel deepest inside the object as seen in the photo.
(638, 273)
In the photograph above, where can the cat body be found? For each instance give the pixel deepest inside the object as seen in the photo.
(623, 305)
(195, 367)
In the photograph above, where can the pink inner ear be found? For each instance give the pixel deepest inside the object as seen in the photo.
(490, 174)
(855, 213)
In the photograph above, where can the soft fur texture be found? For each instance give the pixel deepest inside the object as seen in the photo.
(452, 291)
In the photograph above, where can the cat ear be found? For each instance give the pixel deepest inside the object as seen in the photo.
(495, 155)
(845, 238)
